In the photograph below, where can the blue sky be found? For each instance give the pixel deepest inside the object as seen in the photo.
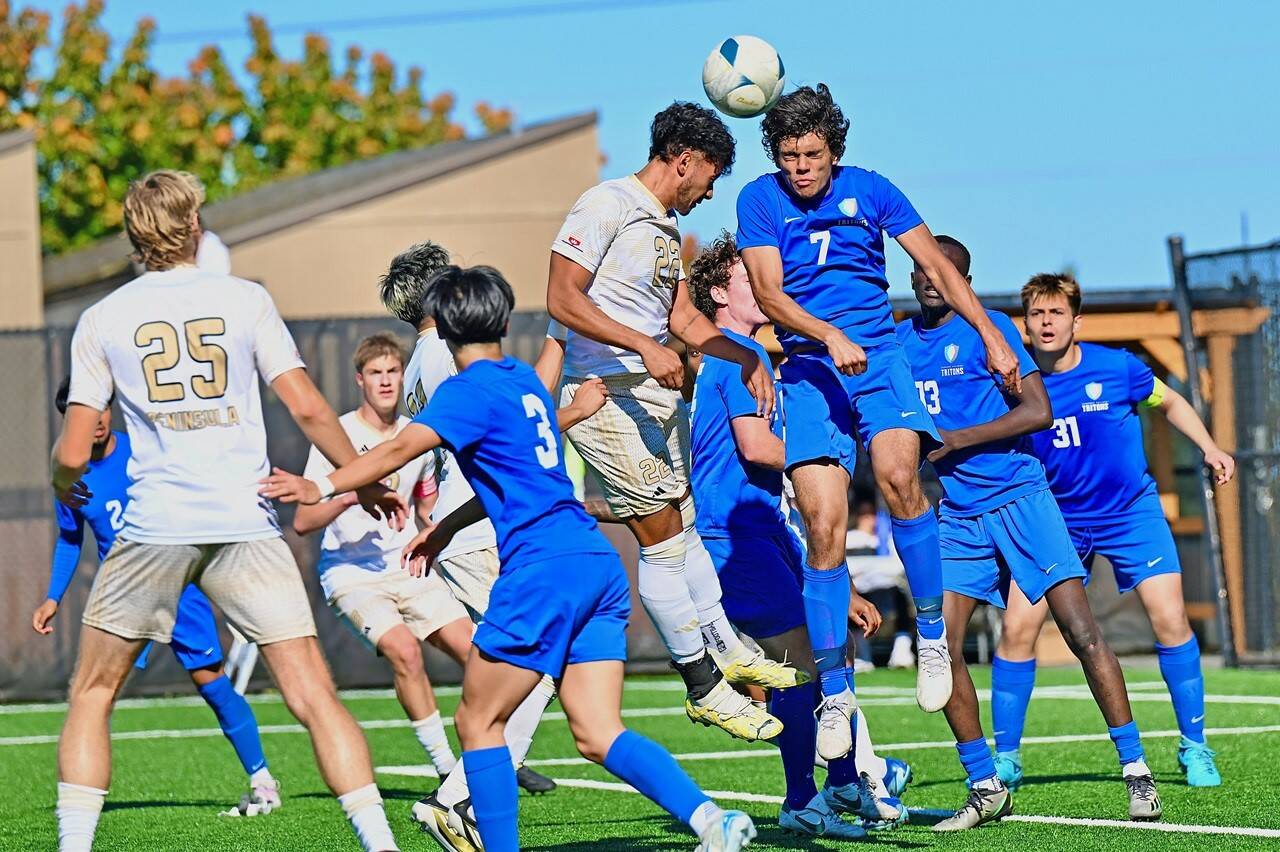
(1079, 134)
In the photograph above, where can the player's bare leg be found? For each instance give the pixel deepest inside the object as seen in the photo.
(895, 461)
(342, 754)
(989, 800)
(84, 748)
(403, 652)
(664, 591)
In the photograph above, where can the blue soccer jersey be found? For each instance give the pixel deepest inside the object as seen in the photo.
(108, 481)
(832, 248)
(1093, 454)
(732, 494)
(500, 423)
(949, 364)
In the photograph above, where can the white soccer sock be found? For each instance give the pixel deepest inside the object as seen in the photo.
(430, 734)
(518, 735)
(664, 591)
(865, 758)
(262, 776)
(363, 808)
(78, 810)
(704, 587)
(706, 815)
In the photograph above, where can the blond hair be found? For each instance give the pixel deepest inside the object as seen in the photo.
(1047, 285)
(376, 346)
(160, 217)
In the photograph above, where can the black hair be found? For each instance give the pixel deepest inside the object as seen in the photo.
(944, 240)
(404, 288)
(471, 305)
(685, 126)
(806, 110)
(64, 391)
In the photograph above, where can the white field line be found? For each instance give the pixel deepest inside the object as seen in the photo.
(1171, 828)
(348, 695)
(423, 771)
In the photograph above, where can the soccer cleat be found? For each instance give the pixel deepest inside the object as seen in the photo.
(1196, 762)
(902, 657)
(453, 827)
(763, 672)
(861, 666)
(866, 799)
(835, 734)
(1144, 801)
(897, 776)
(532, 782)
(989, 801)
(723, 708)
(262, 799)
(933, 674)
(1009, 768)
(734, 831)
(817, 819)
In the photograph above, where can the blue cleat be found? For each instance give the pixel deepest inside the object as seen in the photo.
(867, 799)
(1009, 768)
(817, 819)
(897, 776)
(1196, 762)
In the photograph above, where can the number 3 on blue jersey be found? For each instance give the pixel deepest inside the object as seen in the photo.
(930, 398)
(547, 452)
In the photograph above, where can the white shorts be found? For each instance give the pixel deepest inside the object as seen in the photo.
(637, 445)
(470, 577)
(373, 602)
(256, 584)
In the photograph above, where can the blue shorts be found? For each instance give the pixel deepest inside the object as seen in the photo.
(543, 616)
(195, 634)
(1026, 539)
(1139, 545)
(825, 412)
(761, 579)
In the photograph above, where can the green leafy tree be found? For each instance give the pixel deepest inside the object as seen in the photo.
(101, 122)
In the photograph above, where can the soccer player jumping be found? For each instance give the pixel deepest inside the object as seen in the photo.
(810, 235)
(561, 602)
(1097, 468)
(999, 520)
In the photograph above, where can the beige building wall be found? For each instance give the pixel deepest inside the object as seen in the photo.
(21, 291)
(503, 212)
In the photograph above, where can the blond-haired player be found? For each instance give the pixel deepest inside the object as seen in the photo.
(183, 349)
(391, 612)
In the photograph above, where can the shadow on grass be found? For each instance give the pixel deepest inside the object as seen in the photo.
(115, 805)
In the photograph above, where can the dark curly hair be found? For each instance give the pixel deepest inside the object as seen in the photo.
(711, 268)
(806, 110)
(685, 126)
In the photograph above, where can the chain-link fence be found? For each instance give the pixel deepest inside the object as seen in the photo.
(33, 666)
(1251, 275)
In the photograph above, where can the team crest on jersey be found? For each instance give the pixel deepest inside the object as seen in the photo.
(849, 207)
(1093, 390)
(951, 352)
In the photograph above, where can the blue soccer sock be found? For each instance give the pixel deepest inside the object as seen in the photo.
(237, 721)
(826, 614)
(793, 707)
(491, 779)
(652, 770)
(917, 542)
(1180, 667)
(1011, 685)
(976, 758)
(1128, 743)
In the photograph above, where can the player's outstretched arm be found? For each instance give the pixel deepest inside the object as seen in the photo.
(550, 363)
(764, 269)
(587, 400)
(314, 416)
(567, 302)
(380, 462)
(1033, 413)
(697, 332)
(954, 288)
(1185, 420)
(309, 519)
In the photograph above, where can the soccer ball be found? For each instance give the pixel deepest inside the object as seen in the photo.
(743, 76)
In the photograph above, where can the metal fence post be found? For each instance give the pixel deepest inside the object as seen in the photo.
(1210, 541)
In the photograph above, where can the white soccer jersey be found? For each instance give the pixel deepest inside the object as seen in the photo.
(620, 233)
(356, 540)
(428, 367)
(183, 349)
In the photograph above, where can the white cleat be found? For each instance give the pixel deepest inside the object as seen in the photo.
(933, 674)
(902, 657)
(835, 734)
(734, 831)
(261, 800)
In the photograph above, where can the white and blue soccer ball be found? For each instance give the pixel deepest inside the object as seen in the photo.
(743, 76)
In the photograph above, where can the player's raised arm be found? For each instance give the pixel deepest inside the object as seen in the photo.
(955, 289)
(1185, 420)
(1033, 413)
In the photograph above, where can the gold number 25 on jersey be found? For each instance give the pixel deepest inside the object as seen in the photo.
(169, 354)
